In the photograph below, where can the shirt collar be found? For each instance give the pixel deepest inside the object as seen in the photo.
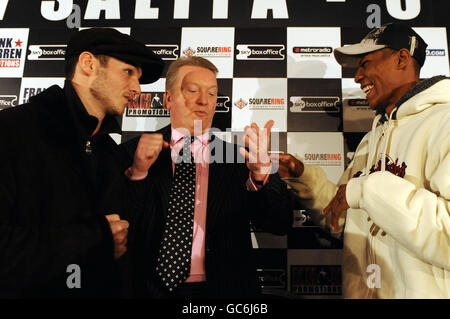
(177, 136)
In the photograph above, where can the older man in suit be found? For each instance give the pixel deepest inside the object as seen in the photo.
(191, 233)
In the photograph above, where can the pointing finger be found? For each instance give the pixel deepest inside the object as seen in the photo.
(244, 153)
(269, 126)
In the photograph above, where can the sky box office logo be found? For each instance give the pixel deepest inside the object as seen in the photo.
(222, 104)
(165, 51)
(47, 52)
(209, 52)
(313, 51)
(148, 104)
(10, 52)
(7, 101)
(260, 52)
(315, 104)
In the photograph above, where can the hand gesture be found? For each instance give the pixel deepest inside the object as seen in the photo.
(288, 165)
(258, 142)
(336, 207)
(147, 151)
(119, 229)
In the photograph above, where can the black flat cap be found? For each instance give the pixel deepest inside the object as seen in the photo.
(110, 42)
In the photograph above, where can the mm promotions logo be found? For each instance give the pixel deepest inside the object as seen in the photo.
(256, 103)
(315, 104)
(7, 101)
(209, 52)
(260, 52)
(47, 51)
(313, 51)
(167, 52)
(148, 104)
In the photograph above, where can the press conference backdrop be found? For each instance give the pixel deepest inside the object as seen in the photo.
(276, 62)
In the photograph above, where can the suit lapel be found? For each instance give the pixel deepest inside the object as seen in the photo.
(164, 172)
(163, 182)
(216, 186)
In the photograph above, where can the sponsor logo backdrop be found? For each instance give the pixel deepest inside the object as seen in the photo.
(276, 62)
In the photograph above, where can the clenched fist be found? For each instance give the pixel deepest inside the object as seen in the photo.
(147, 151)
(119, 229)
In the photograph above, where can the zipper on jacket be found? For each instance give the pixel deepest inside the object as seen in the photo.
(88, 148)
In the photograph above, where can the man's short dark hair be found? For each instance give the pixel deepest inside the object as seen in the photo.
(72, 61)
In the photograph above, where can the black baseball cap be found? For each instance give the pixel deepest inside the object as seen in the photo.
(392, 35)
(110, 42)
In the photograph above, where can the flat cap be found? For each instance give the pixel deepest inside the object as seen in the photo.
(110, 42)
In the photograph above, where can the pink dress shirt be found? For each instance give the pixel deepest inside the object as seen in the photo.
(200, 152)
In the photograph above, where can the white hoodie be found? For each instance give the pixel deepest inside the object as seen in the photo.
(397, 231)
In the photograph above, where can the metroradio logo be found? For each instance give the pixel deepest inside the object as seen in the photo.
(260, 52)
(165, 51)
(313, 51)
(10, 52)
(47, 52)
(315, 104)
(148, 104)
(358, 102)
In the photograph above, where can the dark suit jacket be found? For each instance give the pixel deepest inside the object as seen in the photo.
(229, 265)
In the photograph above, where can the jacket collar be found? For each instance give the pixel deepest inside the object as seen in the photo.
(418, 88)
(85, 122)
(64, 115)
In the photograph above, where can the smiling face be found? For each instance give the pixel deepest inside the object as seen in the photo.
(115, 85)
(379, 78)
(192, 97)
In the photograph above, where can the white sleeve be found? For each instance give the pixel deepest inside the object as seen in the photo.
(417, 218)
(315, 192)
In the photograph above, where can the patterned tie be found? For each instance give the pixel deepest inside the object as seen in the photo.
(174, 260)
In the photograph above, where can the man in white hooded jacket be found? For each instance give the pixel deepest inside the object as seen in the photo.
(391, 205)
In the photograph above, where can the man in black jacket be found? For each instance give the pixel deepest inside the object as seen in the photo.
(61, 174)
(190, 234)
